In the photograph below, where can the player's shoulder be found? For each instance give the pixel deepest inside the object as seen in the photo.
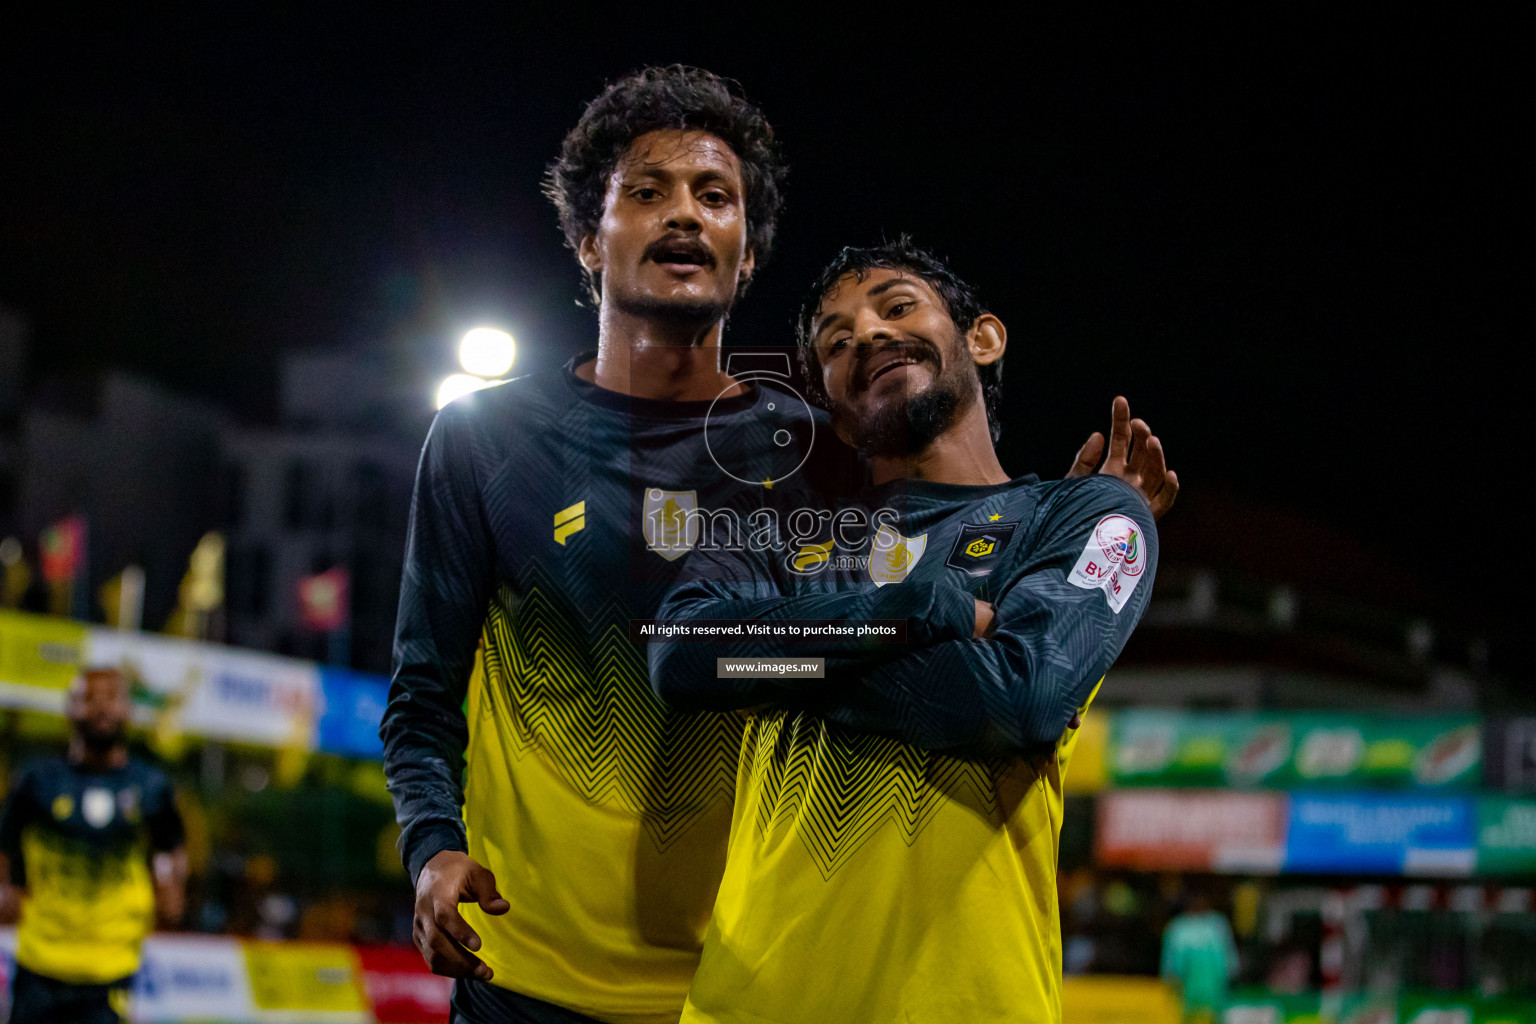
(1083, 496)
(40, 774)
(520, 401)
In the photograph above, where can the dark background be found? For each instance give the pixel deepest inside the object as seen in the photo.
(1292, 245)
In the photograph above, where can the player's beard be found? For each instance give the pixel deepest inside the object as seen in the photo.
(103, 739)
(908, 426)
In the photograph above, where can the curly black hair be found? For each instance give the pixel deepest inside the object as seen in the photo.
(959, 300)
(652, 99)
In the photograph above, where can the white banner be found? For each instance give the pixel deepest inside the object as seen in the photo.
(187, 977)
(221, 693)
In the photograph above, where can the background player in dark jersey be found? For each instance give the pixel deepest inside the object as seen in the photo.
(893, 847)
(90, 854)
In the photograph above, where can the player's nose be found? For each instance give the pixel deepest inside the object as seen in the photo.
(683, 212)
(870, 330)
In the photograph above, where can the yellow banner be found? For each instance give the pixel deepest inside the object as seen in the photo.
(38, 651)
(1110, 999)
(312, 977)
(1086, 773)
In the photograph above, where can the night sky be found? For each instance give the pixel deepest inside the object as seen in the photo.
(1291, 245)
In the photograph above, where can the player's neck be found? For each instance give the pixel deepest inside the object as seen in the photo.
(96, 759)
(668, 361)
(963, 454)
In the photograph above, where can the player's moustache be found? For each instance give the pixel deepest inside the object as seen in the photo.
(918, 349)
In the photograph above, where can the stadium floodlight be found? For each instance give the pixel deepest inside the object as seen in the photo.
(487, 352)
(459, 384)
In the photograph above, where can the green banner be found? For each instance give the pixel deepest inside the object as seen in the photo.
(1296, 750)
(1506, 836)
(1256, 1006)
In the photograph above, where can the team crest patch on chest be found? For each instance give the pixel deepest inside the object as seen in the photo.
(892, 556)
(97, 807)
(980, 547)
(670, 521)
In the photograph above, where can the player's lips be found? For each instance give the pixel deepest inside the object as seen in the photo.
(680, 255)
(889, 360)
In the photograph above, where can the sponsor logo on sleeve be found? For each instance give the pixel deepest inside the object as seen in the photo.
(1112, 560)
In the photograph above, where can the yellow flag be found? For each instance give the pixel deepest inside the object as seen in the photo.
(201, 590)
(110, 596)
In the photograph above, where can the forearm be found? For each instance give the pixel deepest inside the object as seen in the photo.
(684, 673)
(170, 872)
(10, 893)
(981, 697)
(10, 903)
(449, 574)
(425, 735)
(1011, 693)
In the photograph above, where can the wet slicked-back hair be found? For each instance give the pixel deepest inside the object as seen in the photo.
(654, 99)
(902, 255)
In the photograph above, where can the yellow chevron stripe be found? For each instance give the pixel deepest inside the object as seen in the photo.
(571, 684)
(578, 509)
(835, 787)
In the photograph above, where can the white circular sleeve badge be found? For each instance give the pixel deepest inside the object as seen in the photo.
(1112, 560)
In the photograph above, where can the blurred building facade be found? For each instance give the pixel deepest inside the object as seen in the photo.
(327, 486)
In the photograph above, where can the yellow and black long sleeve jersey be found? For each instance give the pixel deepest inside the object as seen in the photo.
(79, 843)
(894, 840)
(521, 725)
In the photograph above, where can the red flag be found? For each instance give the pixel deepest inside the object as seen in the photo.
(324, 600)
(63, 549)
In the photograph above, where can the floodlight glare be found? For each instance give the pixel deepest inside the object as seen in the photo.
(458, 385)
(487, 352)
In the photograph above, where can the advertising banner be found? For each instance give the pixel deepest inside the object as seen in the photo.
(217, 692)
(1506, 836)
(186, 977)
(306, 981)
(1381, 833)
(353, 704)
(1111, 999)
(1192, 830)
(39, 655)
(1283, 751)
(401, 988)
(1511, 755)
(1086, 771)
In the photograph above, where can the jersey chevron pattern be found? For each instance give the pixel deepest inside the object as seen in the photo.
(894, 838)
(589, 711)
(794, 760)
(521, 725)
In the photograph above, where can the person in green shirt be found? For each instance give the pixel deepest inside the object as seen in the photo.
(1199, 958)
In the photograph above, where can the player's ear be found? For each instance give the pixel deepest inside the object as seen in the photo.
(987, 339)
(748, 265)
(588, 253)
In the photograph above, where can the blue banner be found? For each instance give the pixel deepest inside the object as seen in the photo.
(1381, 833)
(354, 704)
